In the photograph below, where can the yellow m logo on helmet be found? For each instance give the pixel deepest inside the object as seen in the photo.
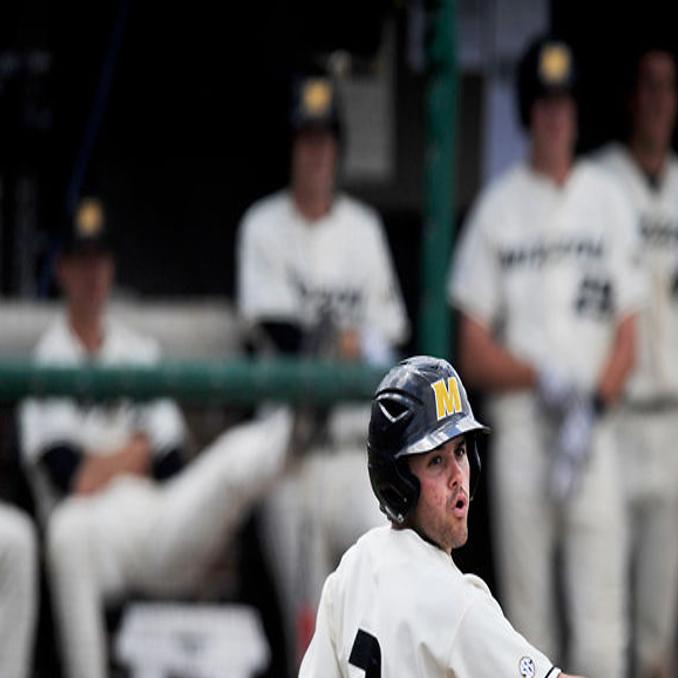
(448, 400)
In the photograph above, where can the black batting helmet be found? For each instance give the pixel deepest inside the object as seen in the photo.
(547, 68)
(418, 406)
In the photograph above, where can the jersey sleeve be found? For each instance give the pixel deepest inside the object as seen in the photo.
(321, 656)
(385, 311)
(474, 285)
(629, 284)
(264, 290)
(45, 423)
(487, 646)
(161, 419)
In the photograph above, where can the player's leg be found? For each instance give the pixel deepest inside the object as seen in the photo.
(594, 550)
(202, 506)
(524, 528)
(93, 549)
(287, 531)
(657, 547)
(18, 591)
(347, 504)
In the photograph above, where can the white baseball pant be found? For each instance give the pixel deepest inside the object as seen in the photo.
(18, 591)
(528, 528)
(647, 450)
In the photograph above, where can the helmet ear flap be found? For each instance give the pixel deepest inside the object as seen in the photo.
(396, 487)
(474, 463)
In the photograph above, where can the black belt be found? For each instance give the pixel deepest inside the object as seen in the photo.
(657, 405)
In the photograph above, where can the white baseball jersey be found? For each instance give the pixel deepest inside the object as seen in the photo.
(655, 212)
(398, 606)
(337, 267)
(552, 269)
(96, 428)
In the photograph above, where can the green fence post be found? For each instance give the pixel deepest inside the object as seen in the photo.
(441, 107)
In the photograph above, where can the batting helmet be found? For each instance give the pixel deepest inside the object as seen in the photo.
(418, 406)
(546, 69)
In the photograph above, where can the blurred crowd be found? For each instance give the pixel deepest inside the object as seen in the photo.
(565, 281)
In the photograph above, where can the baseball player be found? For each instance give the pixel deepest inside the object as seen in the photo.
(121, 515)
(548, 290)
(397, 605)
(18, 592)
(315, 273)
(647, 171)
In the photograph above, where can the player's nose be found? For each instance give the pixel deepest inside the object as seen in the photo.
(456, 471)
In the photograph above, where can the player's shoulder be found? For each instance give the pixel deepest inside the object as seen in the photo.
(610, 156)
(595, 183)
(266, 211)
(126, 343)
(356, 210)
(56, 342)
(507, 188)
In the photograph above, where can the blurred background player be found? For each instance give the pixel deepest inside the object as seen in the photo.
(111, 527)
(647, 171)
(548, 293)
(18, 592)
(397, 604)
(315, 273)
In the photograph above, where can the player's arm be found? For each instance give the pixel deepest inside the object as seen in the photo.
(485, 645)
(619, 363)
(321, 656)
(486, 364)
(97, 470)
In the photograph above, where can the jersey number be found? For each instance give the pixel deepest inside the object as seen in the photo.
(594, 297)
(366, 654)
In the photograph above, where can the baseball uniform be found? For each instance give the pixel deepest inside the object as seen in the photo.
(398, 606)
(335, 272)
(647, 424)
(550, 270)
(135, 534)
(18, 591)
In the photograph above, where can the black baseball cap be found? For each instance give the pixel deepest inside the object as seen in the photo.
(87, 230)
(546, 69)
(315, 105)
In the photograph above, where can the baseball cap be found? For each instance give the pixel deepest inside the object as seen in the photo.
(546, 69)
(315, 104)
(87, 231)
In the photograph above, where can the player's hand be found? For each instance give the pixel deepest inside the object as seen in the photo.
(348, 345)
(573, 448)
(555, 390)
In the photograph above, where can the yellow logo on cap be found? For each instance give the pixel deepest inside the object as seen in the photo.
(89, 219)
(316, 96)
(554, 64)
(448, 400)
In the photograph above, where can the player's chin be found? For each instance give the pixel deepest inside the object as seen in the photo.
(460, 536)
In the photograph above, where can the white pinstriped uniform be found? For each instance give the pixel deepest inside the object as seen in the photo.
(337, 268)
(550, 271)
(135, 535)
(648, 424)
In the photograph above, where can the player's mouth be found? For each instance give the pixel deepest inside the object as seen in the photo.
(460, 505)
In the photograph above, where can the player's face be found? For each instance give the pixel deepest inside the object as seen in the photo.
(442, 509)
(554, 124)
(314, 159)
(86, 280)
(654, 102)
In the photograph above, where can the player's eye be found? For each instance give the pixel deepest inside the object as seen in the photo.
(435, 460)
(461, 450)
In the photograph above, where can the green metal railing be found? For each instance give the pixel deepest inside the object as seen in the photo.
(235, 382)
